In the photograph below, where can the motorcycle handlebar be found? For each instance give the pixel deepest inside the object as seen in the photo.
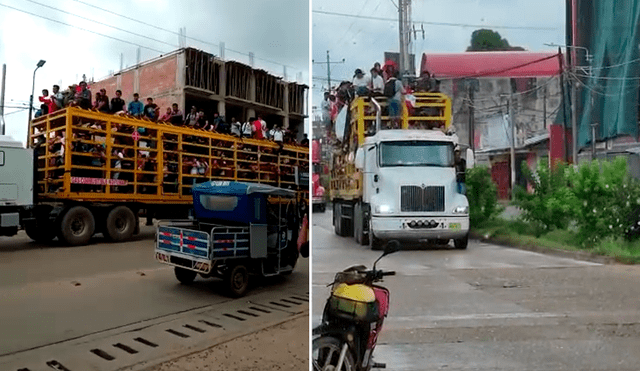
(378, 274)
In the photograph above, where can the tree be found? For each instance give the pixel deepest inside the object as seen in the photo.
(484, 40)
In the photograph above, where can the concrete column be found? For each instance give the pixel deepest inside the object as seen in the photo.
(222, 87)
(136, 80)
(285, 108)
(252, 88)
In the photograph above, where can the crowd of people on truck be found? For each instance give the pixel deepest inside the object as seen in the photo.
(144, 160)
(81, 96)
(382, 81)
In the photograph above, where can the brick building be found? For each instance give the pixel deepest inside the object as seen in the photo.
(191, 77)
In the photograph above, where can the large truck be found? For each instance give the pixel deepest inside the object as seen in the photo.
(86, 172)
(317, 190)
(399, 183)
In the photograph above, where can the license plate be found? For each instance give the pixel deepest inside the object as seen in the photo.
(455, 226)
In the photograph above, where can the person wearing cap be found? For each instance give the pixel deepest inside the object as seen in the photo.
(360, 82)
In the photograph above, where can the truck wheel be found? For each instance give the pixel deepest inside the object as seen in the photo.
(41, 229)
(461, 243)
(374, 243)
(358, 225)
(337, 219)
(185, 276)
(120, 224)
(237, 280)
(77, 226)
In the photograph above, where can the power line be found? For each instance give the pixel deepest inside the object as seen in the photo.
(176, 33)
(82, 29)
(432, 23)
(103, 24)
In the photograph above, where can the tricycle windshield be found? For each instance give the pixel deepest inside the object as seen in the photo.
(416, 153)
(218, 202)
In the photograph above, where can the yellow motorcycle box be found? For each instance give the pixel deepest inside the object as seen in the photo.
(354, 302)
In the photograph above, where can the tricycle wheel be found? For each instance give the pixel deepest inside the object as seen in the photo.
(185, 276)
(237, 280)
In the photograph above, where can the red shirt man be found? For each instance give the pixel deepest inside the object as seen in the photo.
(257, 130)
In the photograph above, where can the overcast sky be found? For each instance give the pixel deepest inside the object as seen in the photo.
(275, 31)
(363, 41)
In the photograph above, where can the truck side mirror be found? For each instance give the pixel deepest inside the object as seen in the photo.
(470, 159)
(359, 159)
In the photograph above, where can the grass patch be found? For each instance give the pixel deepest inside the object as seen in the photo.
(519, 233)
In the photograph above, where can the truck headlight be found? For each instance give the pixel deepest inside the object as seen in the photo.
(461, 210)
(383, 209)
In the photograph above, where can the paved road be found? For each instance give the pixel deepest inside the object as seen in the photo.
(492, 308)
(54, 296)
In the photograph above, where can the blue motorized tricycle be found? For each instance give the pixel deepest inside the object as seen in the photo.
(240, 229)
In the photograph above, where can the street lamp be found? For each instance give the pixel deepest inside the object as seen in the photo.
(33, 87)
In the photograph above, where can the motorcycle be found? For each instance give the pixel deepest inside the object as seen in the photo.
(352, 319)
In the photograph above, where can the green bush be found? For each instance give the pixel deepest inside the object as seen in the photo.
(482, 194)
(551, 205)
(606, 195)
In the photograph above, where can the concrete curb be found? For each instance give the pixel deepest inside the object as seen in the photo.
(578, 255)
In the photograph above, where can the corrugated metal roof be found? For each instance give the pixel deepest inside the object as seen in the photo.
(491, 64)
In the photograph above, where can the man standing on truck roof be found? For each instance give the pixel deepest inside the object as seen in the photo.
(83, 96)
(377, 83)
(176, 114)
(117, 103)
(393, 89)
(151, 110)
(360, 82)
(57, 97)
(136, 108)
(257, 129)
(247, 128)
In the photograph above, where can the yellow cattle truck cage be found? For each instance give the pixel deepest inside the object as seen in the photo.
(94, 172)
(430, 111)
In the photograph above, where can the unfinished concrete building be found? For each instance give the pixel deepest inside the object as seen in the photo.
(191, 77)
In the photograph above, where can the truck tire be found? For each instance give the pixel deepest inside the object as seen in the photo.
(77, 226)
(185, 276)
(337, 219)
(461, 243)
(120, 224)
(360, 236)
(374, 243)
(236, 280)
(41, 230)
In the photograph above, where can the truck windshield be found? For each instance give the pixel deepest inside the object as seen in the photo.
(416, 153)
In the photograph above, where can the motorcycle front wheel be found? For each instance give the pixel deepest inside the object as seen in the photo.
(326, 355)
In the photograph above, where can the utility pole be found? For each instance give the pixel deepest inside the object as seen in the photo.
(512, 121)
(472, 87)
(328, 63)
(544, 107)
(404, 21)
(4, 78)
(593, 140)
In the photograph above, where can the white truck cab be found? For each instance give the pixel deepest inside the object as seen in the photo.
(409, 188)
(16, 184)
